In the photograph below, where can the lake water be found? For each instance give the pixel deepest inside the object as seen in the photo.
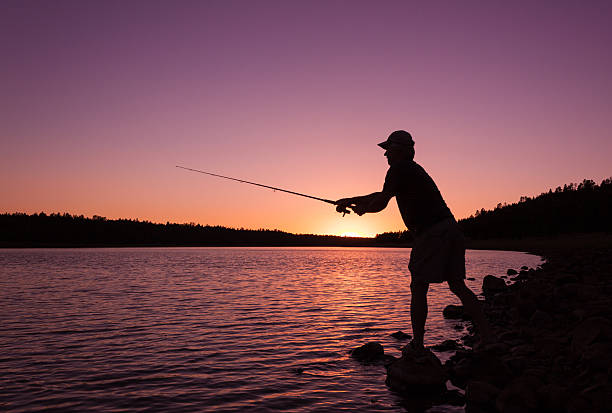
(211, 329)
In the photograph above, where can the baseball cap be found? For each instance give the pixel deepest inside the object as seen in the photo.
(399, 137)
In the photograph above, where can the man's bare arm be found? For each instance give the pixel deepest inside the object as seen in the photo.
(374, 202)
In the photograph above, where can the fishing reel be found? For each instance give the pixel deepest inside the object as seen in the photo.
(344, 209)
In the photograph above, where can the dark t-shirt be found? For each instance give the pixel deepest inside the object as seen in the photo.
(418, 198)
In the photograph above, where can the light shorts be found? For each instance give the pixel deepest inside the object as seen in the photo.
(438, 254)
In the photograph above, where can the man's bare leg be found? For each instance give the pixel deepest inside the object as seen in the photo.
(472, 307)
(418, 311)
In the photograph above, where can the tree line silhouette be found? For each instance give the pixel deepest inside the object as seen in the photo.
(65, 230)
(575, 208)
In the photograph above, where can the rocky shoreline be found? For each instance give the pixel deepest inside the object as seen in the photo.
(554, 330)
(554, 343)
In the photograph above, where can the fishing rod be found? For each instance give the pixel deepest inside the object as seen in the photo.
(329, 201)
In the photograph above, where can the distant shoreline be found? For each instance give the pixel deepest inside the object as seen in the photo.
(535, 245)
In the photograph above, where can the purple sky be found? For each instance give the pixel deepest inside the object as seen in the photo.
(100, 100)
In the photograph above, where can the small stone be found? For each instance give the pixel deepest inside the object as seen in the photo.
(368, 352)
(455, 312)
(511, 272)
(400, 335)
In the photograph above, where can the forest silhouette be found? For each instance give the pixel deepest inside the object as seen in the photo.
(65, 230)
(571, 209)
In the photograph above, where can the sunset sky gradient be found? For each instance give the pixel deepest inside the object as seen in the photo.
(100, 100)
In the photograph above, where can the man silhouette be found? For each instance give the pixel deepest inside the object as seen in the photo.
(438, 253)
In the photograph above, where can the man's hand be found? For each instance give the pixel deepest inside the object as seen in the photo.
(359, 209)
(343, 204)
(353, 203)
(374, 202)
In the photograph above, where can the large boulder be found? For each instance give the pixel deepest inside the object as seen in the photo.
(416, 372)
(492, 284)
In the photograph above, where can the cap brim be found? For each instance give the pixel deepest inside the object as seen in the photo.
(385, 145)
